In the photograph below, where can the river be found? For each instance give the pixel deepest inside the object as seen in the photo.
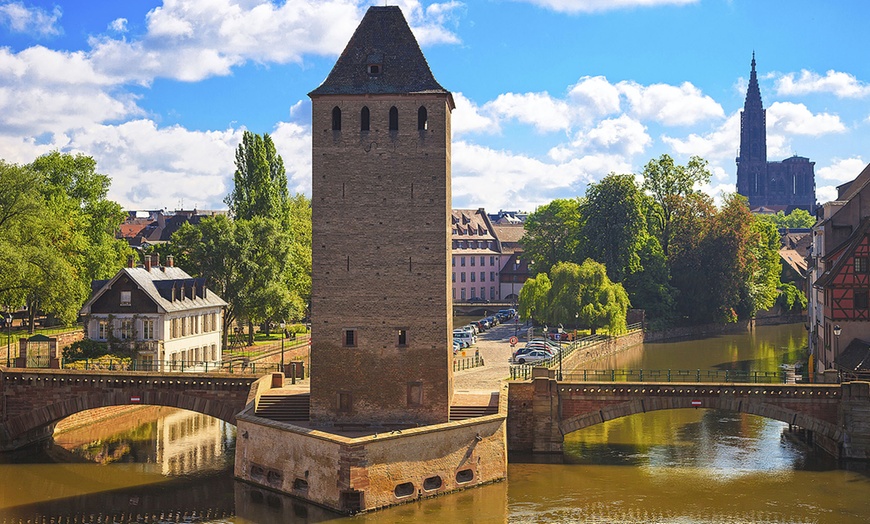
(678, 466)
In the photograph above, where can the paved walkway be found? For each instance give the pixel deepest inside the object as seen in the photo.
(495, 348)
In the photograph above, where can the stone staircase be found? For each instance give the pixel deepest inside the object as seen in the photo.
(284, 408)
(466, 412)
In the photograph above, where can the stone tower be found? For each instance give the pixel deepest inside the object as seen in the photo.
(784, 185)
(381, 310)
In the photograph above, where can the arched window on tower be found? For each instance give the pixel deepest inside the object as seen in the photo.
(422, 119)
(394, 119)
(336, 119)
(364, 119)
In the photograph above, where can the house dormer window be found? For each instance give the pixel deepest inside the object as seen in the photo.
(126, 299)
(375, 69)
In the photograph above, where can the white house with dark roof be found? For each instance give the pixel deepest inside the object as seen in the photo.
(170, 319)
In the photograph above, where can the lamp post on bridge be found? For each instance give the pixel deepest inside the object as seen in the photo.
(837, 331)
(283, 325)
(8, 338)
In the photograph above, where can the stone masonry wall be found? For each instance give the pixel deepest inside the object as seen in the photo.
(381, 205)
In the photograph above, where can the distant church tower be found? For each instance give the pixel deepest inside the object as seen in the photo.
(381, 308)
(778, 186)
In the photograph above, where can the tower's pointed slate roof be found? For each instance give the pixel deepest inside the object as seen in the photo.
(383, 39)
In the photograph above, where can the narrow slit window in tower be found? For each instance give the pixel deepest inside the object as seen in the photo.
(364, 119)
(422, 119)
(336, 119)
(394, 119)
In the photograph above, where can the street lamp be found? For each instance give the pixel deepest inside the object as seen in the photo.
(283, 325)
(837, 331)
(8, 337)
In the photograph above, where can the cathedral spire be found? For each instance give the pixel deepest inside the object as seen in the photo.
(753, 93)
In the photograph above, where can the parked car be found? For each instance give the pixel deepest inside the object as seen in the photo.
(528, 349)
(464, 335)
(457, 346)
(470, 328)
(480, 325)
(463, 343)
(536, 355)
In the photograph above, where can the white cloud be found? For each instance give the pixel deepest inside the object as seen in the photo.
(30, 20)
(540, 110)
(719, 144)
(591, 6)
(293, 143)
(842, 170)
(468, 118)
(622, 136)
(797, 119)
(592, 97)
(826, 194)
(154, 167)
(430, 24)
(670, 105)
(842, 85)
(119, 25)
(522, 181)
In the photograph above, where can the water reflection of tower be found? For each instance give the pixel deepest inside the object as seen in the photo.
(189, 442)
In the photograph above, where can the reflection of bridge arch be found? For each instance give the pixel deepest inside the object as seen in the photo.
(34, 401)
(812, 407)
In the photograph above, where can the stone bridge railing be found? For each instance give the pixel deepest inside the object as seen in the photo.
(542, 411)
(32, 401)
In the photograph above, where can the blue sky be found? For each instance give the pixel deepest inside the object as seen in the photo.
(551, 94)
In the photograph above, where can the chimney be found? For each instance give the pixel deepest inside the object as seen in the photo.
(170, 261)
(131, 261)
(148, 263)
(155, 260)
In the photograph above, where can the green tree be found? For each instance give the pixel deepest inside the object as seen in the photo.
(57, 232)
(532, 302)
(552, 234)
(650, 289)
(614, 226)
(790, 298)
(602, 303)
(259, 182)
(797, 219)
(668, 183)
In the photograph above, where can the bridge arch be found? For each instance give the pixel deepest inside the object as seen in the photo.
(35, 400)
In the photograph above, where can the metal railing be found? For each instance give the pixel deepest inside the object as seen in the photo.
(676, 375)
(179, 366)
(462, 363)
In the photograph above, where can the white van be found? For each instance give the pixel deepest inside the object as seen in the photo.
(464, 335)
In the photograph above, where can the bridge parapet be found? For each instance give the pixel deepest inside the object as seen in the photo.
(33, 401)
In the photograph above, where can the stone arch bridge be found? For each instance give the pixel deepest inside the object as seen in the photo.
(541, 412)
(32, 401)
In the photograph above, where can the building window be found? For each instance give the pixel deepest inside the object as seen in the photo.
(861, 265)
(415, 393)
(402, 335)
(483, 276)
(492, 276)
(344, 401)
(422, 119)
(462, 261)
(861, 299)
(394, 119)
(482, 261)
(462, 277)
(491, 293)
(473, 292)
(472, 276)
(472, 260)
(336, 119)
(454, 276)
(147, 329)
(126, 299)
(492, 260)
(454, 293)
(374, 69)
(103, 330)
(462, 294)
(482, 292)
(349, 337)
(126, 329)
(453, 261)
(364, 119)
